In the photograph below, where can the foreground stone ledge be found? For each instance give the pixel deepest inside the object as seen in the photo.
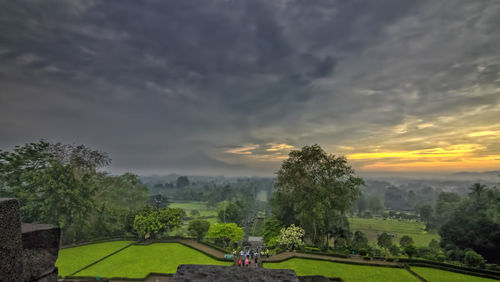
(191, 272)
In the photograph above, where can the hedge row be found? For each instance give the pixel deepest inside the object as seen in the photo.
(92, 278)
(337, 255)
(99, 240)
(447, 265)
(456, 270)
(337, 261)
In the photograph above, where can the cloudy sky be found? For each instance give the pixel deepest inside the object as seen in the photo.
(230, 87)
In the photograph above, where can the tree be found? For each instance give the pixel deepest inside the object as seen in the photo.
(410, 250)
(158, 201)
(433, 244)
(425, 212)
(182, 181)
(195, 213)
(315, 190)
(474, 225)
(225, 232)
(477, 190)
(291, 237)
(231, 212)
(405, 241)
(473, 259)
(359, 241)
(54, 183)
(198, 228)
(272, 228)
(361, 204)
(384, 240)
(374, 204)
(149, 223)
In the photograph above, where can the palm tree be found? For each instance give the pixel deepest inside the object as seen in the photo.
(476, 190)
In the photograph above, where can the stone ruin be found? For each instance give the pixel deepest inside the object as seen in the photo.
(28, 252)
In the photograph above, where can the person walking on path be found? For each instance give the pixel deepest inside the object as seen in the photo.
(246, 262)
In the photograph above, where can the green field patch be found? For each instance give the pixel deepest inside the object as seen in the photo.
(138, 261)
(75, 258)
(437, 275)
(348, 272)
(372, 226)
(204, 210)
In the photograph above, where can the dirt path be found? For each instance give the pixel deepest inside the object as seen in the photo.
(203, 248)
(286, 255)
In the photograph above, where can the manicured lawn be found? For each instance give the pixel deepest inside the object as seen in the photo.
(137, 261)
(414, 229)
(348, 272)
(200, 206)
(73, 259)
(437, 275)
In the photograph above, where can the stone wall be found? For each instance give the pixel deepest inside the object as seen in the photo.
(28, 252)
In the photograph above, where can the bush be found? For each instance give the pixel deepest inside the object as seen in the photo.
(473, 259)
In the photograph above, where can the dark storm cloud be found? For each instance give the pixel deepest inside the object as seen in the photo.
(182, 84)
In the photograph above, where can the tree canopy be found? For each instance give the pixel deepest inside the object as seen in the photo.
(315, 190)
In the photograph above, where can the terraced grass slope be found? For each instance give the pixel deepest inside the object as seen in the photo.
(348, 272)
(75, 258)
(414, 229)
(138, 261)
(437, 275)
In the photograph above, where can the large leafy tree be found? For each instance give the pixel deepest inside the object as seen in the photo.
(53, 182)
(198, 228)
(291, 237)
(225, 232)
(150, 223)
(315, 190)
(475, 225)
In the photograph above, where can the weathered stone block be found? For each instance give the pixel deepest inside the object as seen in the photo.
(11, 248)
(191, 272)
(40, 250)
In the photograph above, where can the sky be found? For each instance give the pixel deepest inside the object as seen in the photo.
(230, 87)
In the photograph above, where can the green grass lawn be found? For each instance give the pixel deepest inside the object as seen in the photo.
(200, 206)
(414, 229)
(73, 259)
(437, 275)
(348, 272)
(137, 261)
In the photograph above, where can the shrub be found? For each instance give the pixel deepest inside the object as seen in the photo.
(473, 259)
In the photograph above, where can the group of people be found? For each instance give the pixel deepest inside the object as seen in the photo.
(246, 257)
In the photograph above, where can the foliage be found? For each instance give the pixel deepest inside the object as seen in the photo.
(182, 181)
(406, 241)
(272, 228)
(394, 250)
(475, 224)
(158, 201)
(315, 189)
(198, 228)
(152, 222)
(231, 212)
(410, 250)
(55, 183)
(473, 259)
(359, 241)
(425, 212)
(384, 240)
(291, 237)
(225, 232)
(194, 213)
